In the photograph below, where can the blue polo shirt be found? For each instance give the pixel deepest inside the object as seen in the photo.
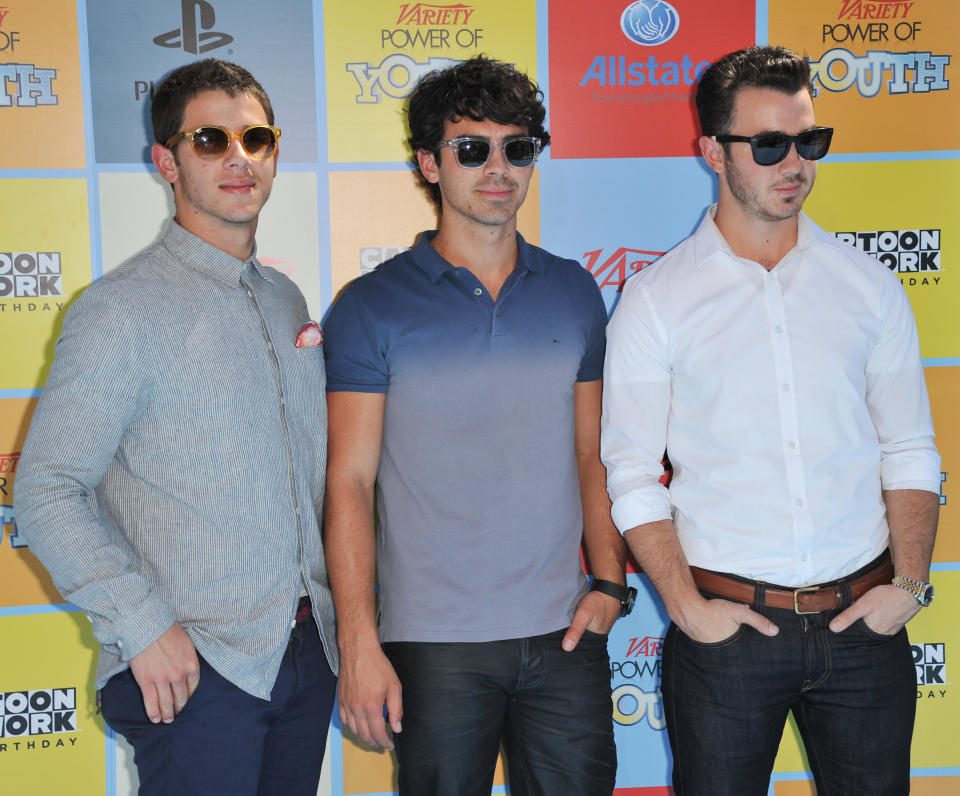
(478, 496)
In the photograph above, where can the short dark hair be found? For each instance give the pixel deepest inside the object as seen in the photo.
(170, 98)
(765, 66)
(481, 89)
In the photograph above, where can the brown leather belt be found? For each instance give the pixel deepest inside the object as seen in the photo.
(805, 600)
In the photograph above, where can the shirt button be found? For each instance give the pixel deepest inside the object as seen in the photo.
(792, 445)
(478, 291)
(803, 557)
(799, 501)
(786, 388)
(778, 329)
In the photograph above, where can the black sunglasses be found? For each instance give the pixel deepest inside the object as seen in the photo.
(770, 148)
(474, 151)
(213, 141)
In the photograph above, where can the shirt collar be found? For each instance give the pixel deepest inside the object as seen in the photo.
(198, 253)
(709, 241)
(435, 266)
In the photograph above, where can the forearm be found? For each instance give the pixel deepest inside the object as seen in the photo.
(349, 544)
(912, 516)
(604, 546)
(657, 549)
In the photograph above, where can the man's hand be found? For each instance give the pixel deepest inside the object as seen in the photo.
(367, 683)
(711, 621)
(595, 612)
(168, 672)
(885, 609)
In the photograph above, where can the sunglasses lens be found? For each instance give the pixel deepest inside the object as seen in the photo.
(210, 142)
(259, 141)
(520, 152)
(473, 153)
(769, 149)
(814, 144)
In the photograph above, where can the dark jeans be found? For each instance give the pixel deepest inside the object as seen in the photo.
(551, 708)
(853, 696)
(227, 742)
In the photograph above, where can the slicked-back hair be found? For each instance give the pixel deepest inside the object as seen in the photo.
(481, 89)
(170, 98)
(759, 67)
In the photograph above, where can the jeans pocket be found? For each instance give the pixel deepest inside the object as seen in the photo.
(724, 642)
(863, 627)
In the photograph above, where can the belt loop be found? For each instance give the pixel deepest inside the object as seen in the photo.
(759, 595)
(847, 598)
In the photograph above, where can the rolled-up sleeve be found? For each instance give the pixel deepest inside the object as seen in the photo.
(97, 387)
(636, 408)
(897, 399)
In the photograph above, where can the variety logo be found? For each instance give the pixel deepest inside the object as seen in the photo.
(30, 274)
(874, 9)
(26, 85)
(930, 662)
(44, 712)
(194, 15)
(614, 270)
(631, 703)
(650, 22)
(904, 251)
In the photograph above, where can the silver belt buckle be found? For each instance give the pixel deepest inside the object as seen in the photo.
(796, 595)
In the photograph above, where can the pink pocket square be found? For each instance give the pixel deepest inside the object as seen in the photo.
(310, 334)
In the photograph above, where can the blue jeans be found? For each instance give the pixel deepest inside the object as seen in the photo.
(227, 742)
(853, 695)
(551, 708)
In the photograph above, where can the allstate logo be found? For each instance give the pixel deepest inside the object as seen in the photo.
(650, 22)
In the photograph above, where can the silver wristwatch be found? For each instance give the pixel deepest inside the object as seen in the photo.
(922, 591)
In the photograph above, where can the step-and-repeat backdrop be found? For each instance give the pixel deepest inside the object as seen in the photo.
(620, 185)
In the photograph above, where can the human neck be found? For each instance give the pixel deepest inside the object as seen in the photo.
(488, 252)
(762, 240)
(235, 239)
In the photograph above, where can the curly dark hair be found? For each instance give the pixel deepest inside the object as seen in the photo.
(481, 89)
(765, 66)
(170, 98)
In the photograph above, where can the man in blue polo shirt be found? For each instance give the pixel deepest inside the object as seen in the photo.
(464, 390)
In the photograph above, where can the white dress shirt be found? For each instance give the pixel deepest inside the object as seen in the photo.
(786, 400)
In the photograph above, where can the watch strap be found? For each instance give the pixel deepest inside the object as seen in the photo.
(625, 594)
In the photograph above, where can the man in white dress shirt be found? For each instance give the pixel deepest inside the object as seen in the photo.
(781, 372)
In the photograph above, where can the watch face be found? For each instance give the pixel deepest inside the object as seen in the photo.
(926, 595)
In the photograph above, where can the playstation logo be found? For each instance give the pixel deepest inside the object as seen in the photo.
(192, 12)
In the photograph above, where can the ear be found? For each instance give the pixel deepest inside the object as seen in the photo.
(164, 161)
(713, 153)
(429, 167)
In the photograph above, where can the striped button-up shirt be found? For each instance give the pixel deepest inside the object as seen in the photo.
(174, 468)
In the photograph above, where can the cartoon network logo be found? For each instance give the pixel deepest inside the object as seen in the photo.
(194, 14)
(901, 250)
(930, 661)
(614, 269)
(372, 256)
(31, 274)
(650, 22)
(41, 712)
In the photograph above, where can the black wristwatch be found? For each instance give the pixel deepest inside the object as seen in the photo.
(625, 594)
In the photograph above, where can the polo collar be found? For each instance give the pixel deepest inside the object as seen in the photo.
(434, 266)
